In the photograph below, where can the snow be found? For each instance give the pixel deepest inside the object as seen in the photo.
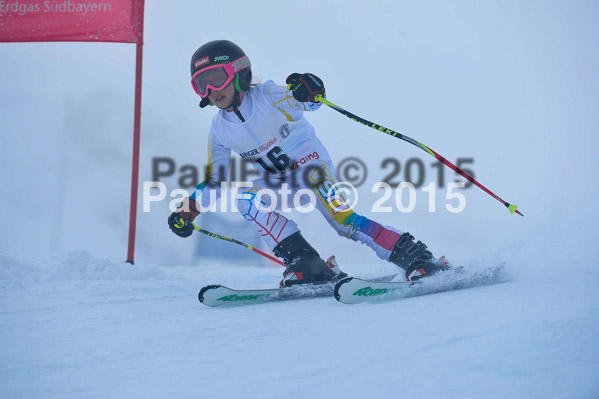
(512, 85)
(78, 326)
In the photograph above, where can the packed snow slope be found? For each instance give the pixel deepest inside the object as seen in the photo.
(78, 326)
(512, 86)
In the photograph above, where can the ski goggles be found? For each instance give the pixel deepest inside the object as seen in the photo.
(217, 77)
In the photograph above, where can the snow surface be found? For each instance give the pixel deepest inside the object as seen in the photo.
(77, 326)
(512, 85)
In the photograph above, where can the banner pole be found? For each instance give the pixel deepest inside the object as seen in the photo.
(135, 161)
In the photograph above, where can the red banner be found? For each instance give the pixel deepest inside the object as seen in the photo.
(71, 21)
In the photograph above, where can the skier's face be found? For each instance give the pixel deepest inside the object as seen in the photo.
(223, 98)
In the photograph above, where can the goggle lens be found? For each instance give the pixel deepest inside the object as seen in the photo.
(217, 78)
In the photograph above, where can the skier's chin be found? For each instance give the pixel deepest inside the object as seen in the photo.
(225, 107)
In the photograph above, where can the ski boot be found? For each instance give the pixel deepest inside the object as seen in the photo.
(304, 265)
(415, 259)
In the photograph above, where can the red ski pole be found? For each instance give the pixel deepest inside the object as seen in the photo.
(234, 241)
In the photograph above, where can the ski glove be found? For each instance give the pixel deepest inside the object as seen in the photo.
(180, 221)
(305, 86)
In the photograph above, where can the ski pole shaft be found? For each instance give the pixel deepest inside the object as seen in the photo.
(510, 207)
(234, 241)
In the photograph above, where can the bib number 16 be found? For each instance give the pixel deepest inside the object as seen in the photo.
(278, 160)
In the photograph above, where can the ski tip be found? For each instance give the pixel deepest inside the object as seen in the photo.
(203, 291)
(338, 285)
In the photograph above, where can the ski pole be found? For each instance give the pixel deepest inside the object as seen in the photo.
(234, 241)
(510, 207)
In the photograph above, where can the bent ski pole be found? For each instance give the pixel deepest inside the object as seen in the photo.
(510, 207)
(234, 241)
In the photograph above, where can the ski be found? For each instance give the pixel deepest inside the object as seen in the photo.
(219, 295)
(352, 290)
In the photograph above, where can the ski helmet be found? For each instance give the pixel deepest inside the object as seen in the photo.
(215, 64)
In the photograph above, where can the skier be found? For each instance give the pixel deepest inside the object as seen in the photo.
(265, 124)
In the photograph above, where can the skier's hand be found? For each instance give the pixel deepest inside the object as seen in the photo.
(180, 226)
(180, 221)
(305, 86)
